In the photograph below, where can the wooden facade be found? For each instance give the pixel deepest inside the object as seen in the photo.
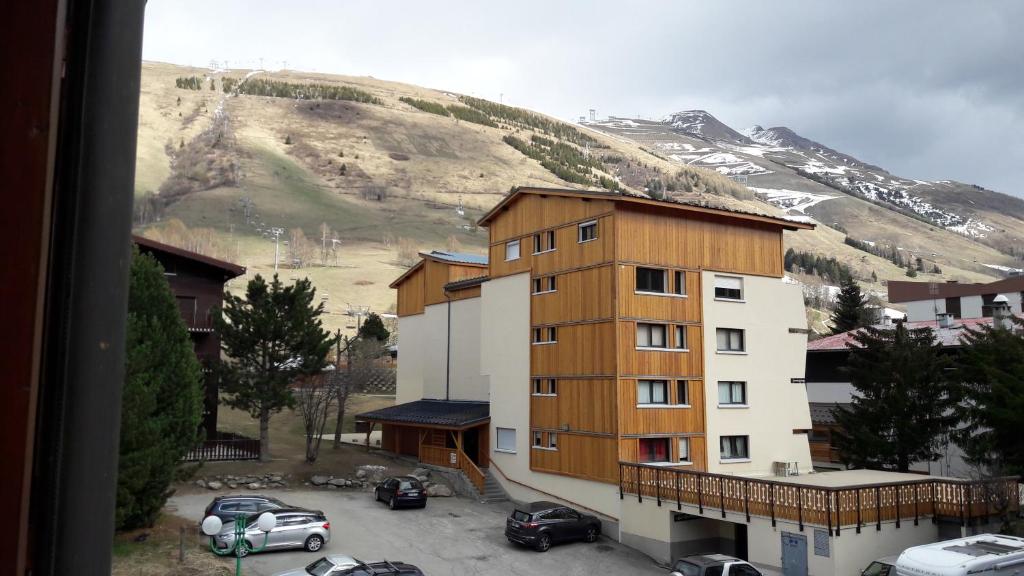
(424, 284)
(595, 308)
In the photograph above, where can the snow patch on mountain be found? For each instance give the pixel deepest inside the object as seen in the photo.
(791, 199)
(1006, 269)
(730, 164)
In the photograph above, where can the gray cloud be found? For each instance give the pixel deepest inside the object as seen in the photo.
(926, 89)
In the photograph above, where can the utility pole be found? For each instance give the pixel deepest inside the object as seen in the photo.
(276, 232)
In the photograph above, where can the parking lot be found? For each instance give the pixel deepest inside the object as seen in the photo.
(452, 536)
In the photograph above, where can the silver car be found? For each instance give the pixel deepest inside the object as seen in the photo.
(332, 565)
(295, 528)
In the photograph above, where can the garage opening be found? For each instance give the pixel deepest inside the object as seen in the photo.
(702, 535)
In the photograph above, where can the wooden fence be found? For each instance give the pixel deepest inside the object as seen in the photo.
(224, 449)
(472, 471)
(831, 507)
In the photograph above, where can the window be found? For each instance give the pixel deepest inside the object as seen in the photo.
(506, 440)
(653, 450)
(551, 239)
(682, 392)
(551, 283)
(543, 386)
(512, 250)
(684, 449)
(679, 343)
(538, 386)
(553, 387)
(734, 447)
(552, 441)
(728, 288)
(544, 335)
(543, 285)
(819, 435)
(730, 340)
(650, 280)
(650, 335)
(679, 286)
(651, 392)
(588, 231)
(537, 285)
(732, 393)
(537, 439)
(743, 570)
(544, 242)
(538, 244)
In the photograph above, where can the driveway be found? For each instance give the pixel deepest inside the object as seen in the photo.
(452, 536)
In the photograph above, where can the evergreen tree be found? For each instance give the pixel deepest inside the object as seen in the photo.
(271, 336)
(850, 312)
(991, 368)
(373, 328)
(902, 409)
(161, 402)
(911, 272)
(874, 277)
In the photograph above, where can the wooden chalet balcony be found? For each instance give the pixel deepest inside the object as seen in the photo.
(833, 507)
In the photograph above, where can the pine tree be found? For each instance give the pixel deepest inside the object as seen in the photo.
(161, 401)
(850, 312)
(270, 337)
(374, 328)
(901, 412)
(874, 277)
(911, 272)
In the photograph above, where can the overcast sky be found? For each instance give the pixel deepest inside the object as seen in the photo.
(929, 90)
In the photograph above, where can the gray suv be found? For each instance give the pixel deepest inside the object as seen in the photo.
(227, 507)
(295, 528)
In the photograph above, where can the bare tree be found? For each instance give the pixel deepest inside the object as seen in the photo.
(314, 398)
(360, 371)
(325, 243)
(453, 243)
(300, 248)
(408, 253)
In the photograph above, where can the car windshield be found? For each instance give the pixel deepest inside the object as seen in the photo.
(521, 516)
(687, 569)
(408, 485)
(320, 568)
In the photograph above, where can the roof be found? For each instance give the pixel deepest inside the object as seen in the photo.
(231, 270)
(963, 555)
(853, 478)
(618, 196)
(443, 413)
(466, 283)
(949, 337)
(821, 412)
(458, 258)
(905, 291)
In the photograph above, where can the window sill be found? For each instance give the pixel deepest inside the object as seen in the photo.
(684, 463)
(585, 241)
(733, 406)
(652, 349)
(733, 460)
(668, 294)
(545, 448)
(663, 406)
(732, 352)
(545, 395)
(545, 251)
(544, 343)
(511, 259)
(660, 464)
(500, 451)
(734, 300)
(543, 292)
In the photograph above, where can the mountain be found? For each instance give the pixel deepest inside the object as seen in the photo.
(343, 179)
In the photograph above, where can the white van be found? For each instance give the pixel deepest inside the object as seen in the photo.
(987, 554)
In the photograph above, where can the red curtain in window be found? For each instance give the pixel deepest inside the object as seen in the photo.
(654, 450)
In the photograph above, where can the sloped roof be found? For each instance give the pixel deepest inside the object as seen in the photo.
(456, 257)
(821, 412)
(466, 283)
(230, 270)
(444, 413)
(947, 336)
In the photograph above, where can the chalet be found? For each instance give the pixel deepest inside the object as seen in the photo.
(197, 282)
(927, 301)
(642, 360)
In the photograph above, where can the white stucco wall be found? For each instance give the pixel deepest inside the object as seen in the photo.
(413, 331)
(925, 310)
(970, 306)
(773, 356)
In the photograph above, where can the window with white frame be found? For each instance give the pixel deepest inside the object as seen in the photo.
(732, 393)
(506, 441)
(537, 285)
(538, 439)
(728, 288)
(730, 340)
(551, 239)
(682, 392)
(588, 231)
(679, 283)
(545, 386)
(684, 450)
(538, 245)
(652, 280)
(538, 385)
(650, 335)
(551, 283)
(545, 335)
(734, 447)
(679, 337)
(543, 285)
(552, 441)
(552, 386)
(651, 392)
(512, 250)
(653, 450)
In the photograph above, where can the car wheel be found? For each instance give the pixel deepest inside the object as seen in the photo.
(392, 504)
(376, 494)
(543, 543)
(244, 550)
(591, 534)
(314, 543)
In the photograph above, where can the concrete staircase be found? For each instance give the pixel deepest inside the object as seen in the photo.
(493, 492)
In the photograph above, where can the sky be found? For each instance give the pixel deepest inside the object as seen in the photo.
(929, 89)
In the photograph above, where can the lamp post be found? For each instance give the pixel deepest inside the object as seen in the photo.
(240, 547)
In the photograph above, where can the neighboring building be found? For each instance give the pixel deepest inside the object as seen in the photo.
(197, 282)
(613, 344)
(927, 300)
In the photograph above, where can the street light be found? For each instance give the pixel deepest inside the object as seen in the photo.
(240, 547)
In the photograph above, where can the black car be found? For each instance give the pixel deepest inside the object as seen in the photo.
(542, 524)
(228, 507)
(401, 491)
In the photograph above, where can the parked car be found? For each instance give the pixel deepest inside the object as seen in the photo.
(542, 524)
(384, 568)
(227, 507)
(881, 567)
(295, 528)
(989, 554)
(713, 565)
(401, 491)
(332, 565)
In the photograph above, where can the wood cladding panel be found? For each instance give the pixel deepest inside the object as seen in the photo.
(568, 254)
(411, 296)
(634, 420)
(466, 293)
(587, 405)
(668, 363)
(581, 350)
(532, 212)
(439, 273)
(667, 307)
(580, 295)
(697, 241)
(629, 448)
(590, 457)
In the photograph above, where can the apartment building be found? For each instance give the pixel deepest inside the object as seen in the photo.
(609, 345)
(929, 301)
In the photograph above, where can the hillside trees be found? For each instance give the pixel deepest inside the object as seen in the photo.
(161, 401)
(188, 82)
(373, 328)
(271, 336)
(902, 410)
(830, 269)
(300, 249)
(850, 312)
(309, 91)
(426, 106)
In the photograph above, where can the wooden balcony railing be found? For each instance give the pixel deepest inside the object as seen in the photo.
(224, 449)
(472, 471)
(831, 507)
(439, 455)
